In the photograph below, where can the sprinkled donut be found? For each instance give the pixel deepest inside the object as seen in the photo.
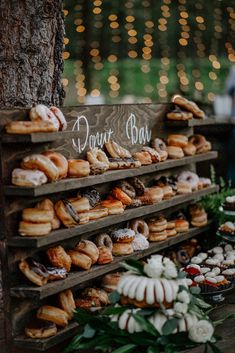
(104, 240)
(124, 235)
(140, 226)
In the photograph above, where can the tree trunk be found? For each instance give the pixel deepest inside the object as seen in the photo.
(31, 44)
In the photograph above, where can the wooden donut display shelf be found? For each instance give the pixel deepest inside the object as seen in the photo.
(131, 126)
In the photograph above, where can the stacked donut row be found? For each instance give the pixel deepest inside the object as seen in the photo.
(88, 206)
(48, 317)
(38, 169)
(185, 109)
(135, 237)
(42, 119)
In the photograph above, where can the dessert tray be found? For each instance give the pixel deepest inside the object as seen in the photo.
(228, 213)
(227, 237)
(217, 296)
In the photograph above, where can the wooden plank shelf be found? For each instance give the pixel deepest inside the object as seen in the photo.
(44, 344)
(39, 137)
(190, 123)
(68, 233)
(78, 277)
(75, 183)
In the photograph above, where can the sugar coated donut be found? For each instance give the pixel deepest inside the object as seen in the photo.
(177, 140)
(140, 226)
(41, 113)
(29, 127)
(175, 152)
(124, 235)
(30, 229)
(98, 159)
(78, 168)
(36, 215)
(190, 178)
(23, 177)
(60, 117)
(140, 242)
(42, 163)
(155, 156)
(121, 196)
(60, 162)
(104, 239)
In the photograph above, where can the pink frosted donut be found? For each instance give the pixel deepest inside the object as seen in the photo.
(190, 178)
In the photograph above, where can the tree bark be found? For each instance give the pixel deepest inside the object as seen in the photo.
(31, 45)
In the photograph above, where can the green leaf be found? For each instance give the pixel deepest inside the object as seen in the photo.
(219, 322)
(115, 310)
(169, 326)
(195, 290)
(181, 274)
(214, 348)
(88, 332)
(125, 349)
(153, 349)
(73, 344)
(145, 325)
(170, 348)
(202, 304)
(114, 297)
(134, 266)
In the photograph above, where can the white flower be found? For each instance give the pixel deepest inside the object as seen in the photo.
(180, 308)
(170, 270)
(154, 267)
(201, 332)
(184, 297)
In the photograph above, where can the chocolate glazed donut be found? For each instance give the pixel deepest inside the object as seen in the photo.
(92, 195)
(127, 188)
(138, 185)
(71, 211)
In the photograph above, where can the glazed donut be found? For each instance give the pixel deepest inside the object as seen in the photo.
(29, 127)
(143, 157)
(40, 329)
(97, 212)
(29, 229)
(105, 255)
(96, 293)
(121, 196)
(170, 225)
(189, 106)
(87, 303)
(124, 235)
(175, 152)
(92, 195)
(171, 232)
(81, 204)
(34, 271)
(198, 141)
(67, 214)
(140, 242)
(189, 149)
(183, 188)
(160, 146)
(116, 151)
(42, 163)
(41, 113)
(196, 210)
(177, 140)
(177, 114)
(155, 156)
(109, 282)
(204, 183)
(205, 148)
(78, 168)
(67, 303)
(158, 236)
(181, 225)
(48, 205)
(140, 226)
(59, 258)
(138, 185)
(120, 249)
(98, 159)
(60, 162)
(36, 215)
(60, 117)
(113, 206)
(88, 248)
(157, 224)
(155, 193)
(53, 314)
(190, 178)
(80, 260)
(104, 239)
(127, 188)
(22, 177)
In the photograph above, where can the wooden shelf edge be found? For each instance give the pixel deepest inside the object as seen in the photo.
(68, 233)
(190, 123)
(80, 277)
(44, 344)
(75, 183)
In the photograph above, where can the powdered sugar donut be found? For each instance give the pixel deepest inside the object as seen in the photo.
(190, 178)
(41, 113)
(140, 242)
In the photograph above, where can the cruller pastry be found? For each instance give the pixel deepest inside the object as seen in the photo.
(189, 106)
(59, 258)
(67, 302)
(53, 314)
